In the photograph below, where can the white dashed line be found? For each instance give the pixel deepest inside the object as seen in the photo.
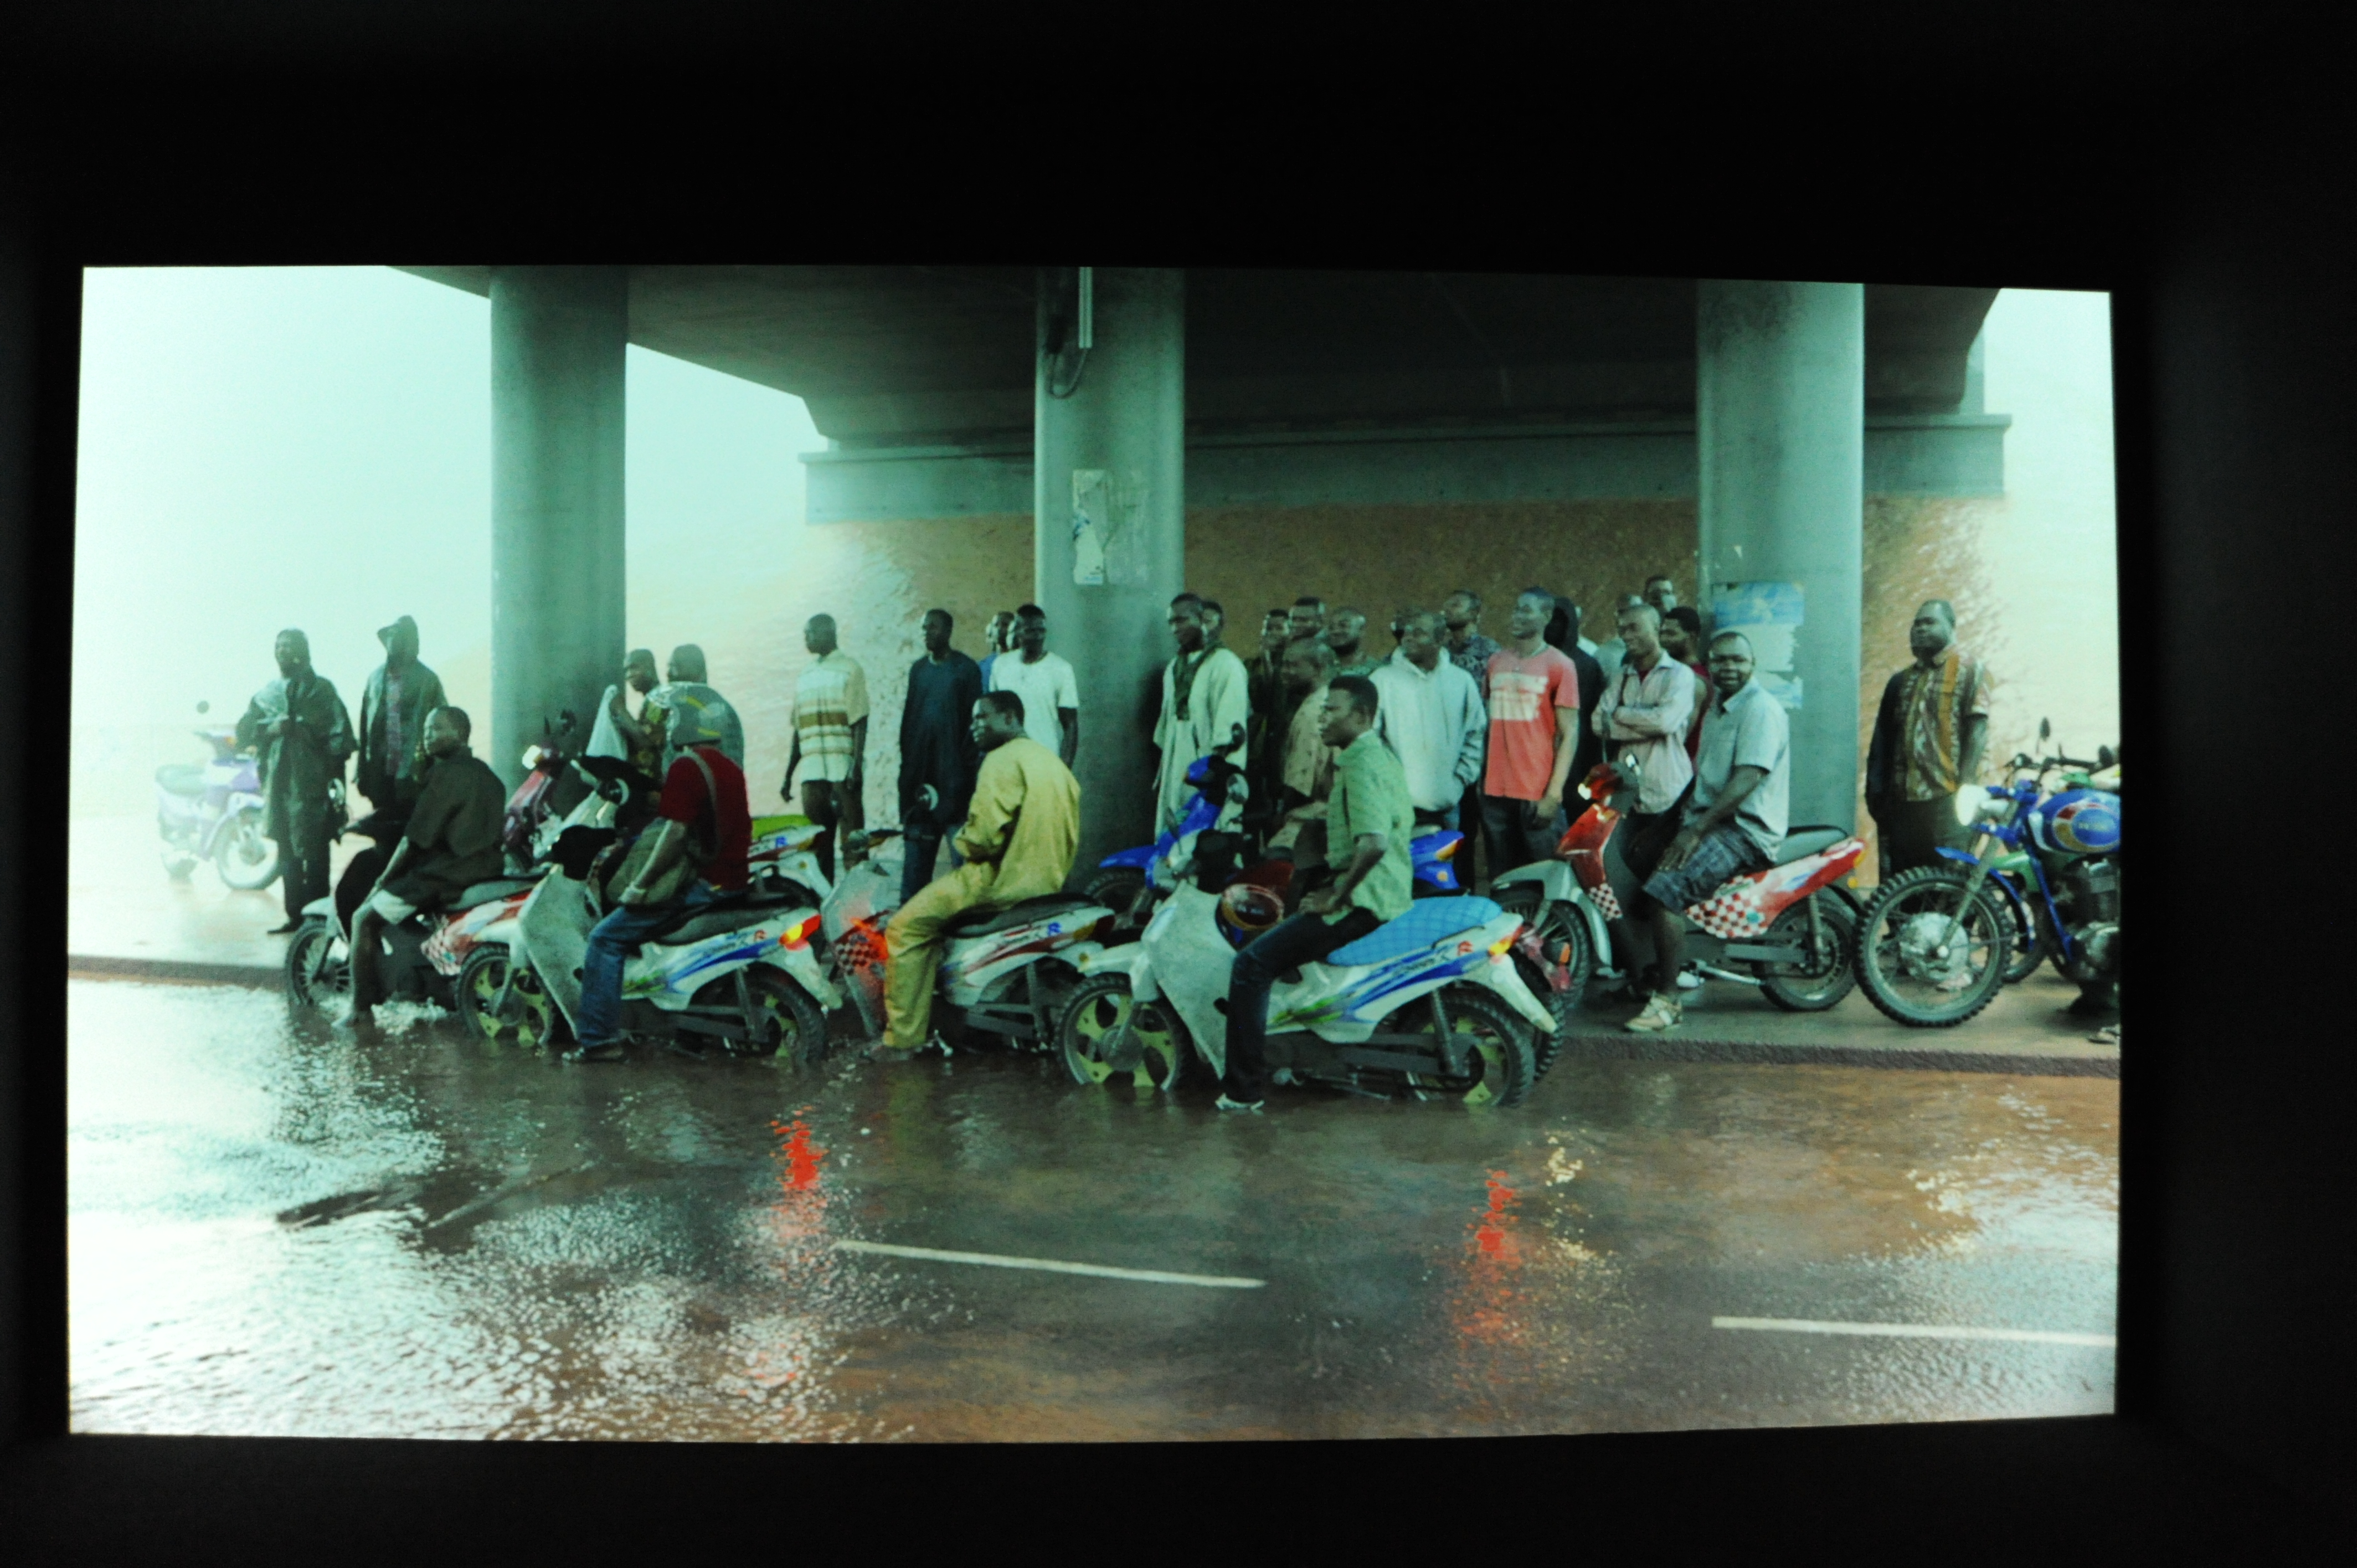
(1916, 1330)
(1053, 1266)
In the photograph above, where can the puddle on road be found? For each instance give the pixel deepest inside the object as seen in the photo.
(420, 1233)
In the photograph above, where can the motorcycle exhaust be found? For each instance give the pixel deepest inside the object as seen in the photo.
(1718, 973)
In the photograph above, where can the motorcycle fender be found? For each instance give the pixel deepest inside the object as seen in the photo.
(1095, 958)
(323, 908)
(1139, 858)
(1500, 976)
(213, 828)
(801, 966)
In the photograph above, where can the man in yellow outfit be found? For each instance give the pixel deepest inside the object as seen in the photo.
(1018, 843)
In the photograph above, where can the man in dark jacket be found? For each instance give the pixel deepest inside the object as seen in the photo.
(939, 757)
(393, 704)
(452, 843)
(304, 736)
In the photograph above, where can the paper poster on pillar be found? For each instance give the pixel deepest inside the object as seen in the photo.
(1771, 616)
(1092, 516)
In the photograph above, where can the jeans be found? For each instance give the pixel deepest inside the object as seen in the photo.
(610, 945)
(1305, 939)
(1514, 840)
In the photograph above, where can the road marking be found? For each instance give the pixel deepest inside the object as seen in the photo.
(1052, 1265)
(1916, 1330)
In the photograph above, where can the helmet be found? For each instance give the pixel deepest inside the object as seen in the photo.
(1245, 911)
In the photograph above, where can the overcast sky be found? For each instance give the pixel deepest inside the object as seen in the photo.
(311, 446)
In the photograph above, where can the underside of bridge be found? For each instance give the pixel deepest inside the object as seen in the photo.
(965, 392)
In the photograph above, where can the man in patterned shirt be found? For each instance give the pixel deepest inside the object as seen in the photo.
(1928, 738)
(830, 739)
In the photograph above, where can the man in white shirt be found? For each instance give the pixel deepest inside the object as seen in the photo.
(1050, 693)
(1431, 715)
(1642, 720)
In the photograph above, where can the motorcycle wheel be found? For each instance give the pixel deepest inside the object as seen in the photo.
(529, 1018)
(1912, 984)
(1816, 986)
(792, 1027)
(1087, 1023)
(244, 857)
(1503, 1066)
(318, 970)
(1559, 927)
(1116, 889)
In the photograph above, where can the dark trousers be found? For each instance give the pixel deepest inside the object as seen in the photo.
(1305, 939)
(1908, 834)
(1515, 839)
(834, 805)
(1468, 823)
(303, 866)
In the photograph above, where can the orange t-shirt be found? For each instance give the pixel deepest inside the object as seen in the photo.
(1524, 695)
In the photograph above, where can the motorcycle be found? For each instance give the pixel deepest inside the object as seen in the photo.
(741, 973)
(1006, 972)
(1429, 1005)
(1792, 926)
(537, 810)
(1939, 940)
(213, 811)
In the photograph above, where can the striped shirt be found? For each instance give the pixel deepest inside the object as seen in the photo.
(830, 697)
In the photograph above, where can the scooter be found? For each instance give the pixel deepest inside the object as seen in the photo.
(213, 811)
(741, 973)
(1940, 941)
(1429, 1005)
(1006, 972)
(1793, 927)
(548, 792)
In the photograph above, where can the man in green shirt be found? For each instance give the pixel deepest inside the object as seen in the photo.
(1369, 820)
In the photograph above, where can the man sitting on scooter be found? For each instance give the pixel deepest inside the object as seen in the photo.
(451, 843)
(1020, 835)
(703, 800)
(1368, 810)
(1734, 821)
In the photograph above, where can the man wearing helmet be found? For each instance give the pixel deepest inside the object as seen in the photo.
(1368, 810)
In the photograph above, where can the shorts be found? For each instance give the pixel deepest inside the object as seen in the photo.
(389, 906)
(1724, 853)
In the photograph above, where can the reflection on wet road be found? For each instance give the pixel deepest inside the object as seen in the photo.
(278, 1230)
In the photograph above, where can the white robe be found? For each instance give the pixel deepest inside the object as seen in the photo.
(1220, 701)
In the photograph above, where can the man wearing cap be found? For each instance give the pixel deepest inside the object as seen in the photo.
(303, 734)
(393, 704)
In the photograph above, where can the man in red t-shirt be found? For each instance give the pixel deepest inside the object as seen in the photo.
(1533, 695)
(701, 815)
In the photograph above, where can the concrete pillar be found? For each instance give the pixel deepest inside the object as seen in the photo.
(557, 340)
(1110, 534)
(1779, 417)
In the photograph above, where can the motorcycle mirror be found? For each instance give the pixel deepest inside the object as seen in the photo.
(2045, 731)
(2105, 757)
(204, 707)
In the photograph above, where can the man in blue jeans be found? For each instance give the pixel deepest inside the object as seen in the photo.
(1368, 811)
(701, 813)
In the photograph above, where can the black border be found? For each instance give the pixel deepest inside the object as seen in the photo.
(2182, 163)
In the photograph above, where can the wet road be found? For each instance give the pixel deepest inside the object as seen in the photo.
(275, 1229)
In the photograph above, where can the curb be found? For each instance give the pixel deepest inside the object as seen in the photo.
(255, 975)
(1624, 1046)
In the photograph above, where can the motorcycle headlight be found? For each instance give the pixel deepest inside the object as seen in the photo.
(1978, 805)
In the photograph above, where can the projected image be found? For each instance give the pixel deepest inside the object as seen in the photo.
(1008, 853)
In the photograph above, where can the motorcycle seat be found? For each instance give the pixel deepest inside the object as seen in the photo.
(181, 778)
(718, 919)
(981, 922)
(483, 893)
(1428, 920)
(1802, 843)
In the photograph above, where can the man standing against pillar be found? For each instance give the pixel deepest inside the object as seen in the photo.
(400, 692)
(304, 736)
(996, 639)
(1047, 683)
(938, 758)
(1928, 737)
(1206, 709)
(831, 737)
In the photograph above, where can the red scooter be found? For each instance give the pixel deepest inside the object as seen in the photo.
(1792, 926)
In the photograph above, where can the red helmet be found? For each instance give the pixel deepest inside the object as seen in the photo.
(1245, 911)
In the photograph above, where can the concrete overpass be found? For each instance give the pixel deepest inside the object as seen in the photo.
(954, 391)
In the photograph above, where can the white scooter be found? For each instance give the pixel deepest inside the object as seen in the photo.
(1429, 1005)
(1006, 972)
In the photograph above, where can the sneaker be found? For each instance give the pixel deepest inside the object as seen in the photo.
(1226, 1104)
(1689, 979)
(609, 1052)
(1659, 1013)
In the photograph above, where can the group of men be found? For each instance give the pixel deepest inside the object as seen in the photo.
(1350, 754)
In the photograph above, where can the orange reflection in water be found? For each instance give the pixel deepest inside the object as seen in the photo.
(1487, 1307)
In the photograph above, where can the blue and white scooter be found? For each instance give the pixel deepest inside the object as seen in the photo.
(1430, 1005)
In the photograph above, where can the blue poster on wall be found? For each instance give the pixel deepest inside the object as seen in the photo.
(1771, 616)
